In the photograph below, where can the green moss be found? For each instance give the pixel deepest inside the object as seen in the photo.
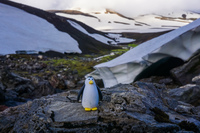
(188, 126)
(132, 45)
(76, 64)
(120, 50)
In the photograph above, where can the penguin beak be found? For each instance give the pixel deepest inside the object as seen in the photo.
(90, 82)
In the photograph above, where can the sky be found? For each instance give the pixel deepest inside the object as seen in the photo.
(126, 7)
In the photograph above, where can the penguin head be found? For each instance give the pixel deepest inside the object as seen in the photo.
(89, 81)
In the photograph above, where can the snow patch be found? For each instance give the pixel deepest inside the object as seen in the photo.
(20, 30)
(95, 36)
(116, 37)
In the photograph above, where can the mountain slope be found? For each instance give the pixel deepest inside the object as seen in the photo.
(86, 43)
(112, 21)
(23, 31)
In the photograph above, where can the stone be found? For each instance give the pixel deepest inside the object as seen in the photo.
(184, 109)
(184, 74)
(43, 88)
(11, 80)
(70, 84)
(196, 80)
(2, 95)
(124, 108)
(189, 93)
(72, 112)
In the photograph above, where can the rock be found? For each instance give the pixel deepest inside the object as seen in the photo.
(189, 93)
(19, 90)
(186, 72)
(70, 84)
(54, 81)
(43, 88)
(196, 80)
(184, 109)
(2, 86)
(141, 107)
(2, 95)
(11, 80)
(71, 113)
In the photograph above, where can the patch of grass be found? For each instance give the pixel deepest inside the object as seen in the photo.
(117, 52)
(132, 45)
(120, 50)
(82, 67)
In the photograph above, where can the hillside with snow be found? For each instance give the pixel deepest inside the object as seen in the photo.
(23, 28)
(111, 21)
(79, 31)
(124, 16)
(23, 31)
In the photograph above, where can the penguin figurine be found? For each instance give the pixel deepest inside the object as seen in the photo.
(91, 94)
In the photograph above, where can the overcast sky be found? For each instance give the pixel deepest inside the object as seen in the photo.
(126, 7)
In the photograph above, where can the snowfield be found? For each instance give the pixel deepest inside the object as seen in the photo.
(22, 31)
(109, 22)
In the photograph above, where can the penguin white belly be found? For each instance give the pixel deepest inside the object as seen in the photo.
(90, 98)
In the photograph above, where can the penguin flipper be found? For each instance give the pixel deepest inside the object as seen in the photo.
(80, 92)
(100, 94)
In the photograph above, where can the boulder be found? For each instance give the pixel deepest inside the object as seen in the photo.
(185, 73)
(11, 80)
(189, 93)
(196, 80)
(16, 90)
(43, 88)
(70, 83)
(141, 107)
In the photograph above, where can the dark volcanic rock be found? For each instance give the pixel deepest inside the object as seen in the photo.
(186, 72)
(196, 80)
(141, 107)
(15, 90)
(43, 88)
(189, 93)
(11, 80)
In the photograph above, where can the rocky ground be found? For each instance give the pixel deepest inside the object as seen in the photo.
(155, 104)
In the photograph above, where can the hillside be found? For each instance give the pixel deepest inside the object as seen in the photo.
(111, 21)
(39, 30)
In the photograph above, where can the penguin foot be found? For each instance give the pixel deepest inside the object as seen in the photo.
(88, 109)
(95, 108)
